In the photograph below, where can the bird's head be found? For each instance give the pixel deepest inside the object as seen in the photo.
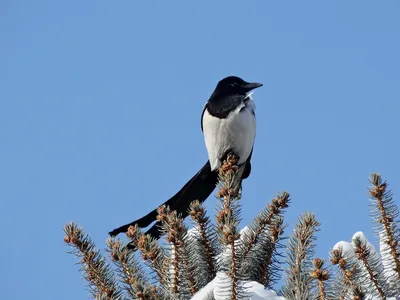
(233, 85)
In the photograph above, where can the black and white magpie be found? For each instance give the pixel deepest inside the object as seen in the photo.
(228, 123)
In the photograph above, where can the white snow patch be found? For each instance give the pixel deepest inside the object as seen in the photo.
(346, 248)
(256, 290)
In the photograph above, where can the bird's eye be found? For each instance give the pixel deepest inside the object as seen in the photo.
(233, 84)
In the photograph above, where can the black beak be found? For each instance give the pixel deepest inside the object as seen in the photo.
(252, 85)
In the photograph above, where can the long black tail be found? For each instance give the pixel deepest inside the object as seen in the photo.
(199, 187)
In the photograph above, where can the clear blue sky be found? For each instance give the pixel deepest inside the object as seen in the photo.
(100, 105)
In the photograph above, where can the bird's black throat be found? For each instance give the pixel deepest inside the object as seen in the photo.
(220, 107)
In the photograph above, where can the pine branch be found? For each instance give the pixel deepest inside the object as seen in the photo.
(102, 283)
(189, 270)
(321, 275)
(371, 270)
(348, 273)
(129, 270)
(171, 238)
(265, 219)
(208, 251)
(270, 265)
(151, 252)
(261, 240)
(175, 232)
(385, 212)
(227, 218)
(300, 250)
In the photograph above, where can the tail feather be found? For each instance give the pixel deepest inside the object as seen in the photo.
(199, 187)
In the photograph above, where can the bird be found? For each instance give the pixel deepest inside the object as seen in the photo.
(228, 123)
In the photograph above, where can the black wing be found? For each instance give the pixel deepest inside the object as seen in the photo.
(247, 169)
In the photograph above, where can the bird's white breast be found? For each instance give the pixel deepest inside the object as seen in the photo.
(234, 133)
